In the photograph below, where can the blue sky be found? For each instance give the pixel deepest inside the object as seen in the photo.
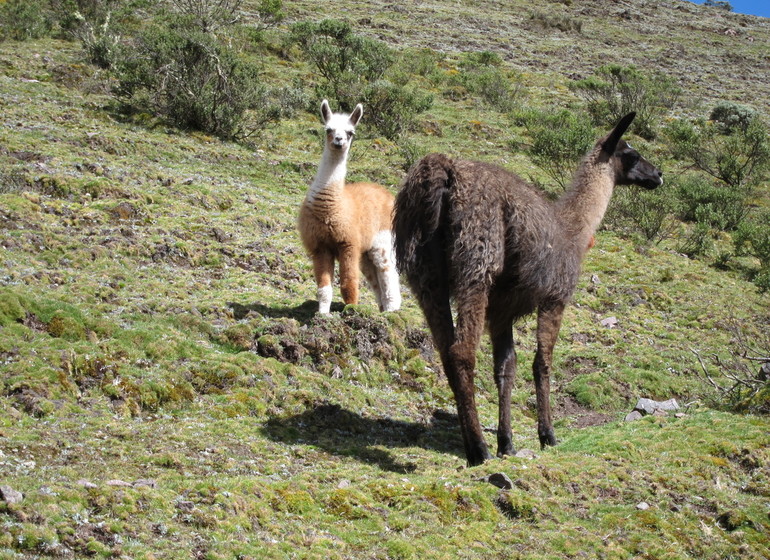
(753, 7)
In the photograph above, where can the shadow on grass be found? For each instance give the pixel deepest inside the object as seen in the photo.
(346, 433)
(303, 312)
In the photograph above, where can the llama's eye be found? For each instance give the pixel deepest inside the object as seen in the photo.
(329, 131)
(350, 133)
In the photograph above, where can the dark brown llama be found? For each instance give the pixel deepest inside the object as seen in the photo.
(481, 236)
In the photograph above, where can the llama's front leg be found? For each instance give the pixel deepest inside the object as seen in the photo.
(350, 258)
(323, 269)
(384, 259)
(504, 354)
(548, 325)
(461, 373)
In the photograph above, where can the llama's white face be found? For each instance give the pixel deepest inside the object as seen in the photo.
(339, 132)
(340, 128)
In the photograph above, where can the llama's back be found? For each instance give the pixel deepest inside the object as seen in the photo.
(484, 229)
(507, 230)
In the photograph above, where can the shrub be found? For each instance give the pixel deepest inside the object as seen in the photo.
(720, 4)
(100, 43)
(480, 75)
(711, 202)
(22, 19)
(649, 213)
(740, 382)
(391, 108)
(193, 80)
(732, 117)
(738, 159)
(353, 70)
(698, 241)
(735, 163)
(559, 140)
(753, 238)
(616, 90)
(345, 60)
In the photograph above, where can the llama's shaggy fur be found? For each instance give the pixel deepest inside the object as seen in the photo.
(481, 236)
(349, 223)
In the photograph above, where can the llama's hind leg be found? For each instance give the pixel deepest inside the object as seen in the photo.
(504, 355)
(370, 273)
(323, 269)
(383, 258)
(471, 310)
(548, 325)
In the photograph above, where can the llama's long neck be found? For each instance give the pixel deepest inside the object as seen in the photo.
(582, 207)
(330, 178)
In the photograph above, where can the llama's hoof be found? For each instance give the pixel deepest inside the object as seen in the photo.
(508, 451)
(547, 439)
(479, 455)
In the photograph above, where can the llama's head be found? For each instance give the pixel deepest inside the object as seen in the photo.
(630, 167)
(340, 127)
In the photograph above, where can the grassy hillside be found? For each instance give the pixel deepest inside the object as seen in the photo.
(167, 392)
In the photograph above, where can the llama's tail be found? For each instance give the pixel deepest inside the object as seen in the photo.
(420, 212)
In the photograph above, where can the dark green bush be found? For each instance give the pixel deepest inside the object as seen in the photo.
(353, 70)
(711, 202)
(753, 238)
(559, 140)
(23, 19)
(649, 213)
(480, 74)
(391, 108)
(192, 79)
(698, 240)
(738, 159)
(617, 90)
(345, 61)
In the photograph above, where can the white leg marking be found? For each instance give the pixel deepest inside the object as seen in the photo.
(384, 260)
(324, 299)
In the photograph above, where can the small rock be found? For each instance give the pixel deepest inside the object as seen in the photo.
(632, 416)
(85, 483)
(500, 480)
(9, 495)
(670, 404)
(649, 406)
(525, 454)
(148, 482)
(116, 482)
(344, 483)
(609, 322)
(595, 279)
(642, 506)
(680, 415)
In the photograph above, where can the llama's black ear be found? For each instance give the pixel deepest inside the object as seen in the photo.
(356, 115)
(326, 111)
(611, 142)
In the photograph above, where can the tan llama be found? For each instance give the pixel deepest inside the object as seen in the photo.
(349, 223)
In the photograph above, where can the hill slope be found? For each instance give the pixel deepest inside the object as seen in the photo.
(166, 392)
